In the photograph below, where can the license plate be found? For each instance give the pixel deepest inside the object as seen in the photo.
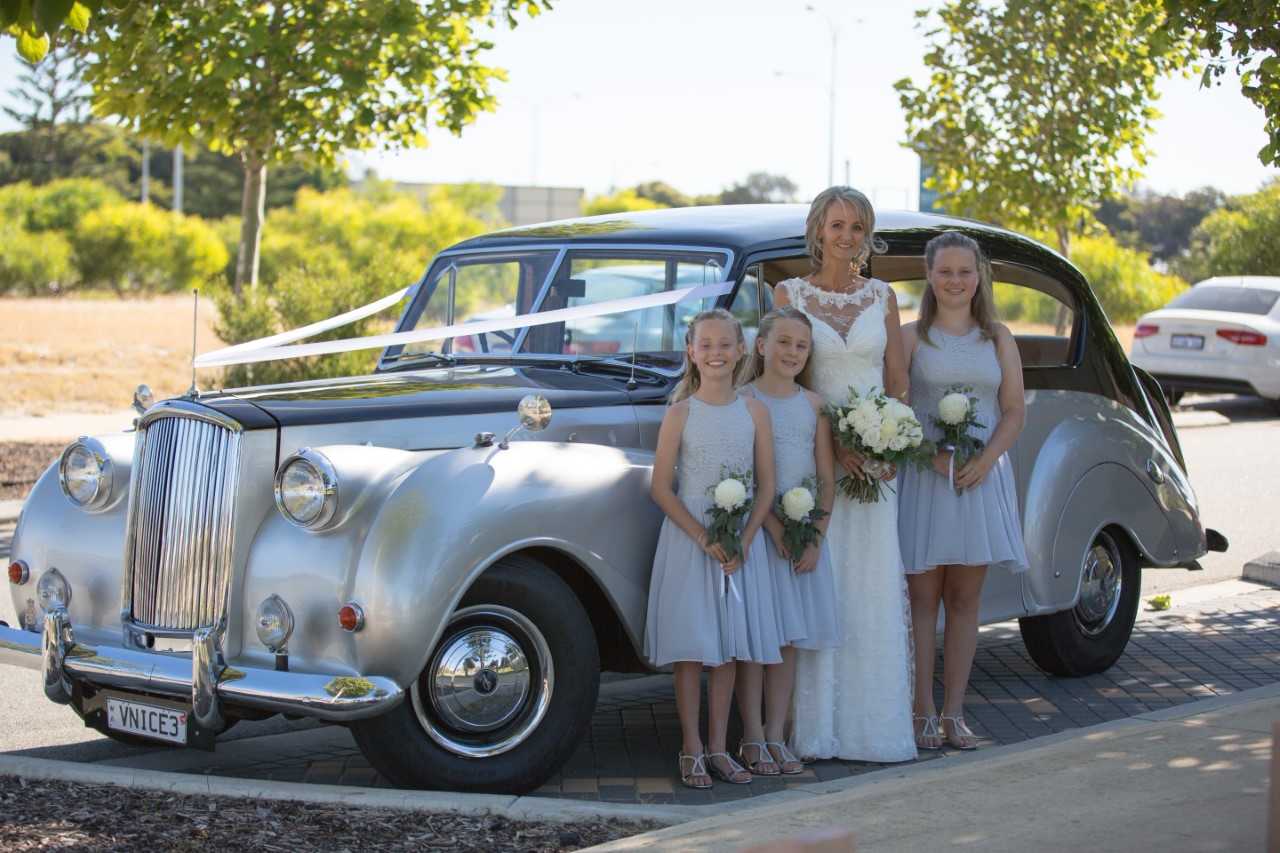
(1187, 342)
(151, 721)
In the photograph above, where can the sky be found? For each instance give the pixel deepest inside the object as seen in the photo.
(699, 93)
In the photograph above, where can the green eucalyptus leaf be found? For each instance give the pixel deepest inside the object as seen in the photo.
(32, 47)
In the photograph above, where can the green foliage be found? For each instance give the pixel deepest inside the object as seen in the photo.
(64, 150)
(335, 251)
(35, 22)
(623, 201)
(138, 247)
(32, 264)
(760, 188)
(1035, 110)
(1157, 223)
(1238, 238)
(1123, 279)
(1245, 33)
(60, 205)
(290, 82)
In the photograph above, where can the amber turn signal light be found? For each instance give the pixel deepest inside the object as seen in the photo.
(351, 617)
(18, 573)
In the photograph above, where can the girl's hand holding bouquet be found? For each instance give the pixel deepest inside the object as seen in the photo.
(731, 505)
(957, 418)
(798, 511)
(884, 431)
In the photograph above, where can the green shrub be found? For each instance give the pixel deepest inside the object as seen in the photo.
(33, 264)
(60, 205)
(137, 247)
(623, 201)
(1237, 239)
(1123, 280)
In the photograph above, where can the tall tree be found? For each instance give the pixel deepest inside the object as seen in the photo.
(53, 100)
(1036, 110)
(1243, 33)
(1158, 223)
(296, 81)
(760, 188)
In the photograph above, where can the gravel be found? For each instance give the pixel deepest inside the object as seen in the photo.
(22, 463)
(38, 815)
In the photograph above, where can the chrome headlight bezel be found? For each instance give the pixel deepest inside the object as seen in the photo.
(53, 591)
(277, 640)
(325, 477)
(103, 479)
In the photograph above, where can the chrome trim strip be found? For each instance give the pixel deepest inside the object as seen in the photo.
(182, 408)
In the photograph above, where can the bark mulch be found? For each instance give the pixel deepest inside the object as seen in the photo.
(38, 815)
(22, 463)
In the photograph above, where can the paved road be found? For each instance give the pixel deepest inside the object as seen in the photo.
(1235, 469)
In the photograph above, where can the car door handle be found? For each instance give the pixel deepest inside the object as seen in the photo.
(1154, 472)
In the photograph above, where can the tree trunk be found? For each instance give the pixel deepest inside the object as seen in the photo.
(1063, 319)
(252, 213)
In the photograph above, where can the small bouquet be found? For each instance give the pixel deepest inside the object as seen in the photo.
(798, 510)
(882, 429)
(731, 504)
(957, 416)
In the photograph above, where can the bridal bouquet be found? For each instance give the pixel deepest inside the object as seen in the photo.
(731, 503)
(798, 510)
(957, 416)
(882, 429)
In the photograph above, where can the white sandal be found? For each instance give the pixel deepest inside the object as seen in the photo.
(929, 736)
(697, 767)
(960, 735)
(784, 758)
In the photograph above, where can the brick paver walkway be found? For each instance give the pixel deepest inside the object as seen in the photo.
(629, 756)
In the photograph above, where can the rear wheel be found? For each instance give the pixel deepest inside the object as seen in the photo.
(1091, 636)
(506, 696)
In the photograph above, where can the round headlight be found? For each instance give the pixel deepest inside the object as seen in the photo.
(53, 590)
(307, 489)
(274, 622)
(85, 474)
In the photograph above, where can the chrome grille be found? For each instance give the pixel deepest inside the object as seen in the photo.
(180, 518)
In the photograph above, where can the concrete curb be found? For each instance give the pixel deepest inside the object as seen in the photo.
(9, 511)
(909, 777)
(1199, 418)
(513, 807)
(1264, 569)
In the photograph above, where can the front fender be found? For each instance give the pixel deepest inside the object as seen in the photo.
(459, 512)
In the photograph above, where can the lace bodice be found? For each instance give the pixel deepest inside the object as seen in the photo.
(794, 424)
(714, 438)
(848, 335)
(950, 360)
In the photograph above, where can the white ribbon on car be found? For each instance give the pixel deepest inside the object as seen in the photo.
(277, 347)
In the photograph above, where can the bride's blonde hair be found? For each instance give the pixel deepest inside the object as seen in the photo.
(817, 220)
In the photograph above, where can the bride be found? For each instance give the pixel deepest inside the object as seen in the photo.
(854, 702)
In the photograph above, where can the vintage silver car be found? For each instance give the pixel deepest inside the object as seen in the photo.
(373, 552)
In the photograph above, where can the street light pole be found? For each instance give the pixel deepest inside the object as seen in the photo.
(831, 94)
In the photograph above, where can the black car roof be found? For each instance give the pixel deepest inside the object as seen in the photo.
(737, 226)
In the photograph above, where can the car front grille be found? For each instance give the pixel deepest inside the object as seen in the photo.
(182, 503)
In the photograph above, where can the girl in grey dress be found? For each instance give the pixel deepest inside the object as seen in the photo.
(804, 584)
(705, 607)
(957, 519)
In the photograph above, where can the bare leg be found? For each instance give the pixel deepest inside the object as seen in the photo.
(688, 678)
(749, 690)
(961, 595)
(779, 683)
(719, 700)
(925, 591)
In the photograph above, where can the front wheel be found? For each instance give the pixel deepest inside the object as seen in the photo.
(507, 693)
(1091, 636)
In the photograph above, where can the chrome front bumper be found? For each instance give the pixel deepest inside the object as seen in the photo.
(202, 679)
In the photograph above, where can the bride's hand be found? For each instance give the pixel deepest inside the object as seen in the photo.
(850, 460)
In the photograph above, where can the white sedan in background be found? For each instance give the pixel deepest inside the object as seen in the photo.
(1223, 335)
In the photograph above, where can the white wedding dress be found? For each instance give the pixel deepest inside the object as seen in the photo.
(854, 702)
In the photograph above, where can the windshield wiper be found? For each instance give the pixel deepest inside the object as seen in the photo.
(420, 359)
(621, 366)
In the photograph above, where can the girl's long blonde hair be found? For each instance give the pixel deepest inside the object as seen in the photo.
(983, 305)
(817, 219)
(690, 379)
(753, 364)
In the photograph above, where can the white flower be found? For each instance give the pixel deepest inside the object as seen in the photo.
(899, 442)
(797, 503)
(730, 494)
(867, 410)
(900, 411)
(953, 408)
(888, 429)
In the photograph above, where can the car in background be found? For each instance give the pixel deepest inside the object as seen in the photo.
(1222, 335)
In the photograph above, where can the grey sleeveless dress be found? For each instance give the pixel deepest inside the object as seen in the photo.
(696, 612)
(979, 526)
(806, 602)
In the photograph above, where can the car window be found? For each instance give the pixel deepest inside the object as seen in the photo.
(1243, 300)
(747, 303)
(585, 278)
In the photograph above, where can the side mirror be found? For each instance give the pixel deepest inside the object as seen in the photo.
(143, 399)
(534, 412)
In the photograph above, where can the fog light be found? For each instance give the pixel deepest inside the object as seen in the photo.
(351, 617)
(274, 623)
(18, 573)
(53, 591)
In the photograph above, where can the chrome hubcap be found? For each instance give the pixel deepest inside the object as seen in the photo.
(488, 685)
(1100, 587)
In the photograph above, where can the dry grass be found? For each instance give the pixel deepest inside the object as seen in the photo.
(87, 355)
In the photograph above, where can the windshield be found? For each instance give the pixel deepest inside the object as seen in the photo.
(471, 288)
(1242, 300)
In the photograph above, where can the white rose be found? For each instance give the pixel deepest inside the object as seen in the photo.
(899, 442)
(888, 428)
(867, 410)
(901, 411)
(953, 408)
(797, 503)
(730, 494)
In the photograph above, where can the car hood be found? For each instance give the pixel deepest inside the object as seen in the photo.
(461, 390)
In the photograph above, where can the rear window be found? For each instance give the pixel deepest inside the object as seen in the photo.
(1242, 300)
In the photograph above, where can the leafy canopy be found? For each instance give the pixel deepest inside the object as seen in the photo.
(1245, 33)
(34, 23)
(1238, 238)
(1035, 110)
(306, 79)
